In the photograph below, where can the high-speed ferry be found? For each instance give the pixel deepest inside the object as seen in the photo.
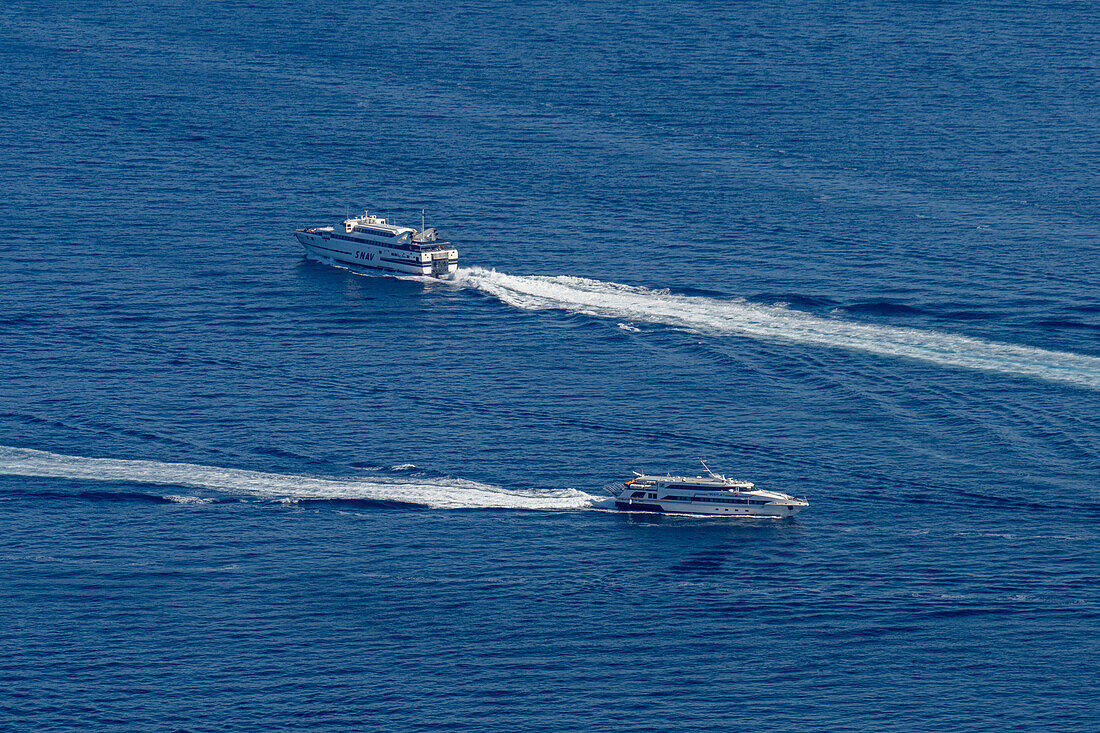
(710, 495)
(370, 242)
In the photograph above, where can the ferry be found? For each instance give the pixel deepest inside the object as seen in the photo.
(708, 495)
(371, 242)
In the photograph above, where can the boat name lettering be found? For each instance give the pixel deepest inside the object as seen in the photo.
(364, 255)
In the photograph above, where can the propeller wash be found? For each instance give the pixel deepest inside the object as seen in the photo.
(739, 317)
(438, 493)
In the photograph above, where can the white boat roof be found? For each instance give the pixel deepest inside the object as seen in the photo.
(376, 222)
(718, 482)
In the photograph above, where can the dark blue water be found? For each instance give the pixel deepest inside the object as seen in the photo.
(860, 244)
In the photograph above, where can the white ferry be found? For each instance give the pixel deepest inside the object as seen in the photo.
(374, 243)
(710, 495)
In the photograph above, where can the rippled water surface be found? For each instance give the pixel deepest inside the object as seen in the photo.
(847, 252)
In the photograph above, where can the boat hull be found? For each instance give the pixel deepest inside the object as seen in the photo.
(770, 511)
(375, 257)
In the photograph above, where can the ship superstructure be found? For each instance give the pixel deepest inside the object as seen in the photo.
(374, 243)
(711, 494)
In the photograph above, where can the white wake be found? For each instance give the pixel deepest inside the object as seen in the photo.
(440, 493)
(735, 316)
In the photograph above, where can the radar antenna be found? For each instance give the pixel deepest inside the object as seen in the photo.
(711, 473)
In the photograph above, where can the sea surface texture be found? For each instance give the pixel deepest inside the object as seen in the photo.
(843, 250)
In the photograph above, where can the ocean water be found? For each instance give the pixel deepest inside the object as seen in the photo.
(844, 251)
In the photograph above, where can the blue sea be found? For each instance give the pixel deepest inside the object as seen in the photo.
(847, 251)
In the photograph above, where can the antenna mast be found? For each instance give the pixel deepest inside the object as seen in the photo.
(422, 221)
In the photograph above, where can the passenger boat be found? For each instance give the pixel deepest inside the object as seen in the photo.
(371, 242)
(710, 495)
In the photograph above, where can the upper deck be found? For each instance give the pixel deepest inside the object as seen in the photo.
(370, 229)
(702, 483)
(370, 224)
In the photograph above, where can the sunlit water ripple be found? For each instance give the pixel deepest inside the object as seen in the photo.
(842, 253)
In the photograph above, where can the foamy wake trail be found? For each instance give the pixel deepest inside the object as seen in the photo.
(735, 316)
(437, 493)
